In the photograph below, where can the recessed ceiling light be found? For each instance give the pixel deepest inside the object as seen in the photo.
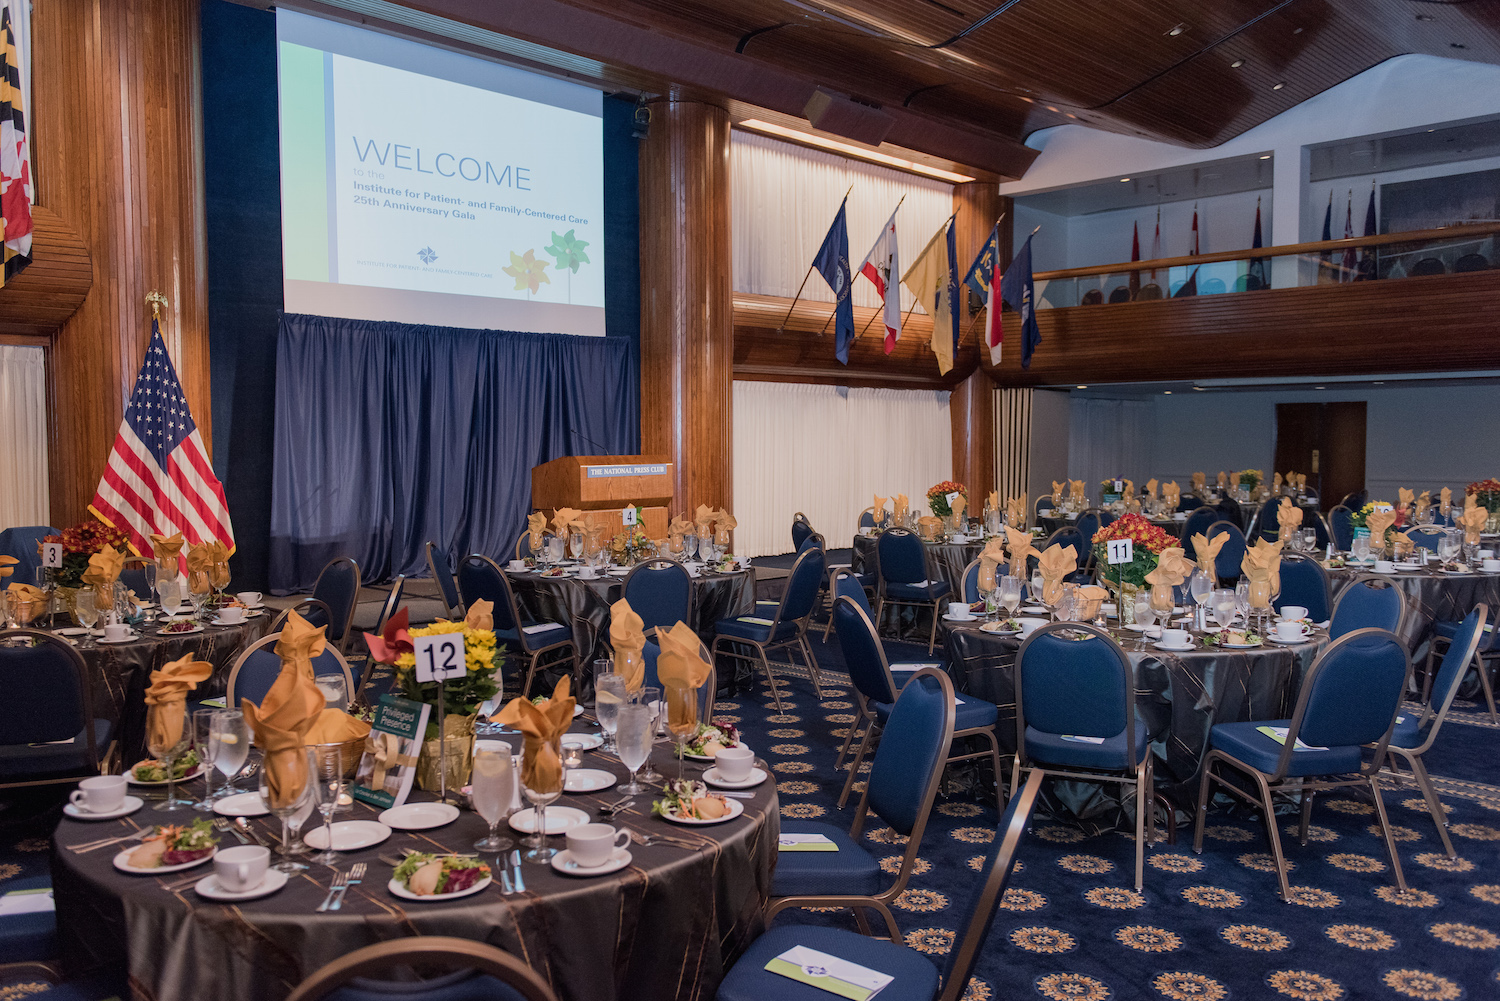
(1457, 45)
(1237, 64)
(1296, 31)
(1177, 30)
(1199, 389)
(1432, 130)
(1124, 179)
(1266, 157)
(1320, 387)
(1425, 17)
(1377, 384)
(857, 152)
(1083, 387)
(1278, 86)
(1051, 108)
(1166, 392)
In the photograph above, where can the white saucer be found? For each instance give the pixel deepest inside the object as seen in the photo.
(348, 835)
(712, 777)
(704, 757)
(1034, 610)
(406, 894)
(587, 780)
(128, 639)
(586, 741)
(1241, 646)
(123, 866)
(559, 819)
(1281, 642)
(72, 631)
(131, 804)
(1408, 566)
(1174, 649)
(735, 809)
(208, 887)
(245, 804)
(217, 621)
(618, 859)
(960, 618)
(419, 816)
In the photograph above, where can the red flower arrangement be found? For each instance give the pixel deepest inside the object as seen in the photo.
(79, 543)
(1147, 541)
(937, 496)
(1486, 494)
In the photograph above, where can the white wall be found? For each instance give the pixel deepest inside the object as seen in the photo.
(1049, 442)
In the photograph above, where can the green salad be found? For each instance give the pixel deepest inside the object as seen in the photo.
(429, 875)
(151, 770)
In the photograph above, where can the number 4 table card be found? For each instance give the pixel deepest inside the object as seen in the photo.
(829, 973)
(805, 843)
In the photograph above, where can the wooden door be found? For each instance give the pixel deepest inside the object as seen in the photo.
(1327, 442)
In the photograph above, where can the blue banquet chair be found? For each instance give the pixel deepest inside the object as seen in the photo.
(1043, 503)
(1088, 525)
(786, 629)
(869, 581)
(1426, 537)
(1486, 651)
(1370, 601)
(523, 546)
(1349, 698)
(479, 972)
(1198, 520)
(660, 591)
(1415, 732)
(878, 684)
(971, 582)
(1069, 535)
(29, 937)
(256, 668)
(915, 978)
(905, 579)
(337, 587)
(1341, 527)
(442, 574)
(903, 783)
(21, 543)
(1266, 524)
(1304, 582)
(1075, 718)
(801, 529)
(136, 574)
(47, 724)
(536, 642)
(1232, 555)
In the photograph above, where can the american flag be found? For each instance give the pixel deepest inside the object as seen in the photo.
(159, 478)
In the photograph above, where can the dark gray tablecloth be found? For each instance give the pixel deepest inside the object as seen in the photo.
(945, 560)
(1433, 597)
(667, 926)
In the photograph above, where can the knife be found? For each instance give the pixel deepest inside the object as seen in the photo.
(515, 861)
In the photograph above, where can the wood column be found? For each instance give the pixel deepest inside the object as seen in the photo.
(972, 406)
(117, 133)
(687, 303)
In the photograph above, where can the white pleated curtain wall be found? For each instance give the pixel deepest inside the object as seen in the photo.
(784, 197)
(826, 451)
(24, 498)
(1013, 442)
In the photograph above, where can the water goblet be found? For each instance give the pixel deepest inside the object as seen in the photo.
(203, 720)
(229, 745)
(491, 791)
(1010, 594)
(327, 782)
(609, 695)
(290, 795)
(1145, 616)
(86, 614)
(539, 798)
(634, 740)
(167, 736)
(575, 545)
(650, 697)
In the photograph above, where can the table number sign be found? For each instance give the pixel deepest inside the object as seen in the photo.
(439, 657)
(1119, 486)
(52, 554)
(627, 516)
(951, 497)
(1121, 551)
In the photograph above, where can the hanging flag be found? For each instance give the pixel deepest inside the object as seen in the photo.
(1194, 251)
(1156, 242)
(832, 263)
(929, 280)
(1325, 265)
(15, 162)
(1257, 264)
(1135, 255)
(952, 241)
(1189, 287)
(1368, 268)
(883, 266)
(994, 333)
(159, 479)
(1017, 293)
(981, 282)
(1346, 271)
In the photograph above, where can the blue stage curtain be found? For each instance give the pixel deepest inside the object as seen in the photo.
(392, 434)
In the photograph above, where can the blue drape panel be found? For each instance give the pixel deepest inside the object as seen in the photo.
(391, 434)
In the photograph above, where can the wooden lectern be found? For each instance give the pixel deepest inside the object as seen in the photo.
(603, 485)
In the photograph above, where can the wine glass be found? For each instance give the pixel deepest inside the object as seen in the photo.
(1448, 546)
(490, 791)
(1242, 599)
(1360, 548)
(1037, 586)
(203, 743)
(335, 691)
(229, 746)
(1200, 586)
(633, 742)
(169, 593)
(1145, 615)
(555, 549)
(294, 795)
(1225, 607)
(86, 614)
(690, 545)
(609, 695)
(327, 783)
(575, 545)
(167, 736)
(1010, 594)
(650, 697)
(541, 797)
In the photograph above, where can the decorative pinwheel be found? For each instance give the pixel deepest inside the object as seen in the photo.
(527, 271)
(569, 251)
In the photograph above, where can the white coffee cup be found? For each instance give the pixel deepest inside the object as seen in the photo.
(585, 573)
(1486, 554)
(516, 566)
(1291, 612)
(734, 763)
(1176, 637)
(1490, 566)
(1030, 625)
(231, 614)
(115, 632)
(592, 844)
(100, 794)
(1291, 631)
(958, 609)
(1385, 566)
(242, 868)
(250, 599)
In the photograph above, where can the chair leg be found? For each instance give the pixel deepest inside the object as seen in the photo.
(1390, 841)
(1427, 671)
(1307, 803)
(890, 923)
(854, 728)
(1434, 805)
(932, 636)
(1142, 805)
(1000, 797)
(1268, 808)
(1201, 814)
(770, 677)
(530, 676)
(1484, 683)
(812, 666)
(859, 757)
(828, 629)
(862, 922)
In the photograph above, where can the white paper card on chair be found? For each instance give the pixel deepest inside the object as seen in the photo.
(805, 843)
(439, 657)
(627, 516)
(27, 902)
(829, 973)
(914, 667)
(1278, 734)
(1121, 551)
(52, 554)
(536, 627)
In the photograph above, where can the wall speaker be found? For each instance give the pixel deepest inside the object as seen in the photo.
(844, 116)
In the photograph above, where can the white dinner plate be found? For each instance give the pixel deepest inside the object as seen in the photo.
(1034, 610)
(419, 816)
(559, 819)
(131, 804)
(713, 778)
(124, 866)
(564, 862)
(735, 809)
(585, 741)
(180, 632)
(704, 757)
(191, 774)
(348, 835)
(587, 780)
(1281, 642)
(1408, 566)
(128, 639)
(995, 627)
(208, 888)
(73, 631)
(406, 894)
(218, 621)
(244, 804)
(1241, 646)
(1174, 649)
(577, 710)
(959, 618)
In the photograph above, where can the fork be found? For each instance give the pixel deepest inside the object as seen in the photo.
(89, 846)
(356, 876)
(647, 840)
(340, 880)
(222, 824)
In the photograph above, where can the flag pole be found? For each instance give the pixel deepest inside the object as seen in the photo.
(878, 310)
(156, 301)
(810, 269)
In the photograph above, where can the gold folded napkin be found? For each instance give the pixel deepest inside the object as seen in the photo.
(993, 500)
(1470, 502)
(280, 724)
(1301, 481)
(1055, 564)
(299, 642)
(200, 561)
(1151, 486)
(334, 726)
(703, 518)
(1207, 550)
(481, 614)
(1401, 544)
(989, 562)
(1198, 480)
(928, 526)
(1057, 490)
(1172, 568)
(541, 727)
(7, 565)
(103, 570)
(878, 514)
(1015, 511)
(679, 527)
(901, 507)
(1223, 479)
(682, 671)
(1472, 522)
(1288, 519)
(1129, 493)
(957, 507)
(563, 520)
(1018, 541)
(167, 549)
(724, 523)
(1377, 522)
(1445, 499)
(628, 638)
(536, 528)
(26, 602)
(1405, 497)
(1262, 564)
(393, 641)
(1275, 482)
(167, 697)
(1424, 503)
(1171, 493)
(1086, 601)
(1075, 487)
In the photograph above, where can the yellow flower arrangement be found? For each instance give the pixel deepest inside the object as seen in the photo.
(462, 695)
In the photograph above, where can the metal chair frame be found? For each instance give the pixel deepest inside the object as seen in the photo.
(881, 598)
(534, 658)
(521, 554)
(270, 640)
(93, 764)
(343, 640)
(1480, 667)
(1304, 787)
(1371, 578)
(457, 952)
(301, 608)
(797, 641)
(657, 561)
(450, 611)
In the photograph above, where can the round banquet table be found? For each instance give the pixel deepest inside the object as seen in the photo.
(1179, 696)
(945, 560)
(666, 926)
(1431, 596)
(584, 604)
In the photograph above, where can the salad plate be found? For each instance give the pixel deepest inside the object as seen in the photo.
(429, 877)
(587, 780)
(1005, 627)
(709, 739)
(154, 768)
(208, 887)
(559, 819)
(124, 639)
(172, 628)
(685, 801)
(713, 778)
(419, 816)
(244, 804)
(583, 741)
(169, 848)
(564, 862)
(348, 835)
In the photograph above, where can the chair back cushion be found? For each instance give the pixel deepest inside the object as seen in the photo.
(1227, 563)
(902, 559)
(466, 985)
(134, 578)
(660, 593)
(706, 694)
(1267, 521)
(258, 672)
(1426, 538)
(1366, 604)
(810, 541)
(1353, 693)
(913, 747)
(1457, 660)
(846, 585)
(1197, 521)
(803, 585)
(1069, 536)
(971, 582)
(442, 569)
(1076, 687)
(43, 695)
(1304, 583)
(479, 579)
(864, 657)
(1341, 526)
(338, 587)
(800, 531)
(21, 543)
(1088, 526)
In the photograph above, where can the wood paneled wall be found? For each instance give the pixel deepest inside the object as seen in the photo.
(41, 298)
(687, 304)
(117, 131)
(971, 409)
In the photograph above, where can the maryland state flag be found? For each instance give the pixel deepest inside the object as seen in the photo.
(15, 163)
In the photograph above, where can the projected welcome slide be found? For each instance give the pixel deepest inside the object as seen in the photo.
(429, 187)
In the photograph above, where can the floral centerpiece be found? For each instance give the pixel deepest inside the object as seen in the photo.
(1249, 478)
(461, 696)
(1357, 519)
(1486, 494)
(1147, 541)
(79, 543)
(937, 497)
